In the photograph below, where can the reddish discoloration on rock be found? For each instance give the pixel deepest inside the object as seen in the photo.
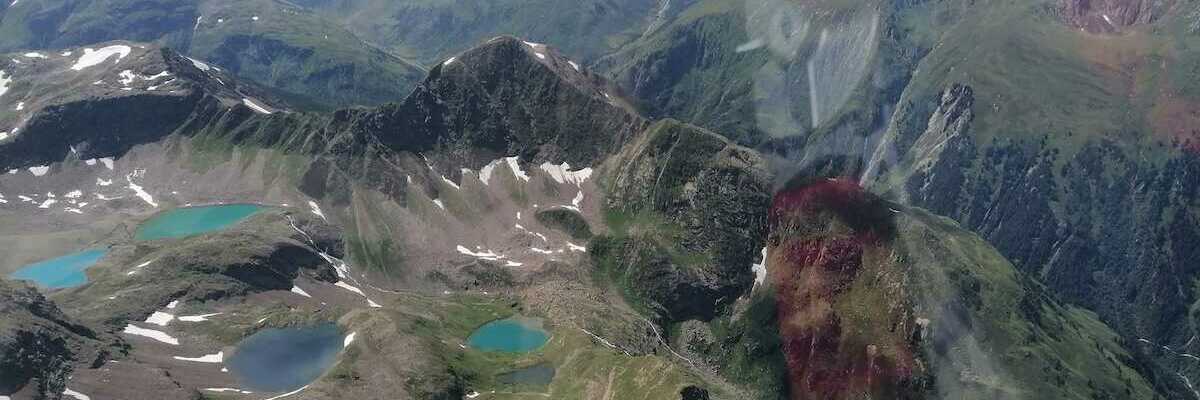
(815, 267)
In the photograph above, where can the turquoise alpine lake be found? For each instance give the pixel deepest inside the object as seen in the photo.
(60, 273)
(188, 221)
(285, 359)
(513, 335)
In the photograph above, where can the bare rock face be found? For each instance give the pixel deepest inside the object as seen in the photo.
(1111, 16)
(39, 345)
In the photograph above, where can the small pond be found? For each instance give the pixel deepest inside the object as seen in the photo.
(538, 375)
(513, 335)
(188, 221)
(62, 272)
(285, 359)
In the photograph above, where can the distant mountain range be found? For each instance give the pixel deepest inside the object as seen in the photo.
(704, 199)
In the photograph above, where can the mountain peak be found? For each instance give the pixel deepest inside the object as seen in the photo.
(511, 97)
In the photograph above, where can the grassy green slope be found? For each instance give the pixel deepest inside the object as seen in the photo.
(429, 30)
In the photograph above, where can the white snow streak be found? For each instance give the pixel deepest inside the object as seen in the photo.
(150, 333)
(76, 395)
(202, 66)
(160, 318)
(4, 81)
(93, 57)
(562, 173)
(516, 168)
(316, 210)
(140, 192)
(299, 291)
(198, 318)
(760, 269)
(254, 106)
(344, 285)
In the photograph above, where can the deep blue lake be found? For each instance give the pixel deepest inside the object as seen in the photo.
(60, 273)
(285, 359)
(509, 335)
(188, 221)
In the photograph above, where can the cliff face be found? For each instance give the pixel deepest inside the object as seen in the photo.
(102, 100)
(688, 212)
(1111, 16)
(878, 300)
(39, 345)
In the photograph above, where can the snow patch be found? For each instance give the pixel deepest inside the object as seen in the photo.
(299, 291)
(316, 210)
(34, 55)
(127, 77)
(577, 200)
(173, 303)
(223, 390)
(39, 170)
(483, 254)
(103, 182)
(573, 65)
(562, 173)
(4, 81)
(135, 270)
(202, 66)
(150, 333)
(108, 162)
(93, 57)
(516, 168)
(76, 395)
(344, 285)
(485, 173)
(160, 318)
(207, 358)
(198, 318)
(760, 269)
(20, 106)
(575, 247)
(450, 182)
(349, 339)
(140, 192)
(74, 194)
(438, 202)
(47, 203)
(449, 61)
(254, 106)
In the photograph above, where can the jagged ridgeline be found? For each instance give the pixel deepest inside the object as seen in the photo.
(408, 226)
(302, 56)
(512, 185)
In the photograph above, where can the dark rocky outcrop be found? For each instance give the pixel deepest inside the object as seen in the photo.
(692, 207)
(40, 346)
